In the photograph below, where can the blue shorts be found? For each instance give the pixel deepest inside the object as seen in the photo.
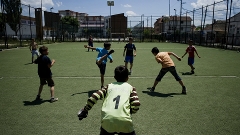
(129, 59)
(190, 60)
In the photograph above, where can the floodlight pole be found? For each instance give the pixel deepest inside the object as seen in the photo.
(52, 24)
(110, 3)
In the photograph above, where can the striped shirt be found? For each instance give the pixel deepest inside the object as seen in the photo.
(120, 100)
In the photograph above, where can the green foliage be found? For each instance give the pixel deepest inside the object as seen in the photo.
(70, 24)
(13, 10)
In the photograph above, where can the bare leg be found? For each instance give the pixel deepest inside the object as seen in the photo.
(32, 59)
(131, 65)
(52, 91)
(40, 90)
(181, 83)
(126, 64)
(155, 84)
(192, 68)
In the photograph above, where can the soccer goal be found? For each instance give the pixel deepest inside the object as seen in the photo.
(116, 36)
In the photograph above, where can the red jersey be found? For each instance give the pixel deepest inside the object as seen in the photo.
(190, 50)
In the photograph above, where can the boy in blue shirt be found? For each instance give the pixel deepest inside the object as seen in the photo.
(102, 58)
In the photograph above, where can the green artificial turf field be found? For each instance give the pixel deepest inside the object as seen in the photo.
(211, 106)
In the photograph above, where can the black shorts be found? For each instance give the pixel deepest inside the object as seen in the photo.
(48, 81)
(102, 68)
(163, 71)
(104, 132)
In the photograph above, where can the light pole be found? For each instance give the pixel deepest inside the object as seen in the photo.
(110, 3)
(52, 25)
(41, 25)
(175, 20)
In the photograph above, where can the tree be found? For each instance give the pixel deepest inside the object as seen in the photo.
(69, 25)
(13, 11)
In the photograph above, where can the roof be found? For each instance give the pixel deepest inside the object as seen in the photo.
(217, 26)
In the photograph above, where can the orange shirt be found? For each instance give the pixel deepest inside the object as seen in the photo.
(165, 58)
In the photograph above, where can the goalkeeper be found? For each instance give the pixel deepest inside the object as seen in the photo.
(102, 58)
(120, 100)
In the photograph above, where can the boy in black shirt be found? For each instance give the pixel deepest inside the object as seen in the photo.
(44, 72)
(130, 50)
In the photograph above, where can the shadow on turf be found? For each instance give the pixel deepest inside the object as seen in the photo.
(186, 73)
(34, 102)
(28, 63)
(157, 94)
(89, 93)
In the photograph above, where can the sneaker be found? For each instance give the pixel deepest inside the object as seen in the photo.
(151, 89)
(184, 91)
(192, 72)
(129, 73)
(53, 99)
(38, 97)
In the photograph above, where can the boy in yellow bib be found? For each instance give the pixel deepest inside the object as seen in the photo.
(120, 100)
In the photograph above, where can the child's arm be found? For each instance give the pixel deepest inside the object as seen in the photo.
(171, 53)
(100, 94)
(134, 101)
(50, 65)
(184, 54)
(124, 51)
(106, 56)
(159, 60)
(93, 48)
(197, 53)
(135, 51)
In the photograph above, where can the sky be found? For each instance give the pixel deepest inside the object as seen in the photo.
(133, 8)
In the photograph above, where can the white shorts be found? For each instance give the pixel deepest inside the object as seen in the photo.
(35, 52)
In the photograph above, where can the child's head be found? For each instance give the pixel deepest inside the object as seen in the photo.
(130, 40)
(107, 45)
(190, 42)
(155, 51)
(43, 50)
(33, 40)
(121, 73)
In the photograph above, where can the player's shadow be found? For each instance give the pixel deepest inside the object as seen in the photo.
(28, 63)
(35, 102)
(157, 94)
(89, 93)
(186, 73)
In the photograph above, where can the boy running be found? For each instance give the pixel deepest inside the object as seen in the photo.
(190, 50)
(120, 100)
(167, 65)
(33, 49)
(44, 72)
(102, 58)
(130, 50)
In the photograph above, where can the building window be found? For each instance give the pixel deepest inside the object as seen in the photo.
(181, 22)
(238, 30)
(23, 22)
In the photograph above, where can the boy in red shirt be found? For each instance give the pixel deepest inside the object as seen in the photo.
(190, 50)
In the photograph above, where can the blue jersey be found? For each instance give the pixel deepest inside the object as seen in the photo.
(102, 52)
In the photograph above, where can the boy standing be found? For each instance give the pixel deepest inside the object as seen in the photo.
(167, 65)
(120, 100)
(102, 58)
(33, 49)
(130, 50)
(190, 50)
(44, 72)
(90, 42)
